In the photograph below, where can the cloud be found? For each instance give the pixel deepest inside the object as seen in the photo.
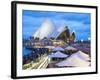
(28, 20)
(81, 29)
(79, 22)
(30, 24)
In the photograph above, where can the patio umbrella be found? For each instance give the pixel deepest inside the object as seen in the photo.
(58, 48)
(58, 54)
(82, 55)
(70, 48)
(73, 61)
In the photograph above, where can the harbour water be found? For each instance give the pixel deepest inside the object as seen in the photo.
(26, 51)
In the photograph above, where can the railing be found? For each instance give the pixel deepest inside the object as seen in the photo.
(42, 63)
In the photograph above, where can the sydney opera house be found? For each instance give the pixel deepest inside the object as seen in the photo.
(48, 30)
(49, 47)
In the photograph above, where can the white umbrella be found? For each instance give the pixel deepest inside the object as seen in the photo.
(70, 48)
(74, 61)
(58, 54)
(82, 55)
(58, 48)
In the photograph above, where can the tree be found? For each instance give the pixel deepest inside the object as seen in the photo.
(73, 37)
(52, 38)
(37, 38)
(67, 32)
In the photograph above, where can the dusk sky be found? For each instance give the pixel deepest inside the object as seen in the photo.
(78, 22)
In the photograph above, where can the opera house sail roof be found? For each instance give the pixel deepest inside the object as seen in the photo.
(46, 29)
(49, 30)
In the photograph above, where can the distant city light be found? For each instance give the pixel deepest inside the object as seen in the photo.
(82, 40)
(89, 38)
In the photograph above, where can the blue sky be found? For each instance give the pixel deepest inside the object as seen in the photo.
(78, 22)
